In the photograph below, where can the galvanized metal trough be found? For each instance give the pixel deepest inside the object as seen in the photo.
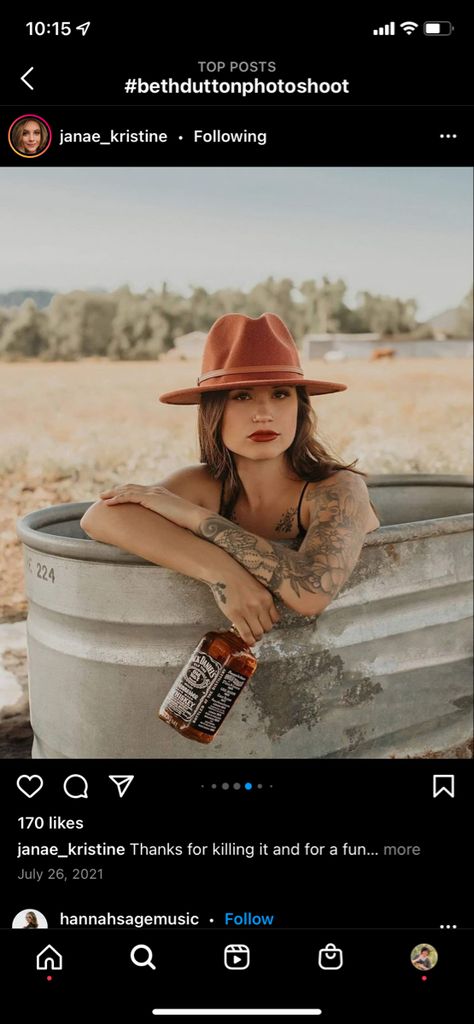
(384, 671)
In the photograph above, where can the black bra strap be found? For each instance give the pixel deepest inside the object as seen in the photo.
(300, 525)
(221, 505)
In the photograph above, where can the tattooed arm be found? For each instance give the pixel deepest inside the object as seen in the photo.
(306, 580)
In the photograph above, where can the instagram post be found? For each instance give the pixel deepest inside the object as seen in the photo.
(236, 343)
(160, 499)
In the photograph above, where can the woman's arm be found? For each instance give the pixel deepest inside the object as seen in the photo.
(142, 532)
(306, 580)
(239, 596)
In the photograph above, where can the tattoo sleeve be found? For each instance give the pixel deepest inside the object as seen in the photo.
(308, 579)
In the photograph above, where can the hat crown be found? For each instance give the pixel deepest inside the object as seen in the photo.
(244, 352)
(237, 342)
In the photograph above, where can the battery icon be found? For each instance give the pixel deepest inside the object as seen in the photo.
(437, 28)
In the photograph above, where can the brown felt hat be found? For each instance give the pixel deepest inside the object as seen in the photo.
(246, 351)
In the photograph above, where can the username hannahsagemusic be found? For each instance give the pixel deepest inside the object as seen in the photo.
(111, 137)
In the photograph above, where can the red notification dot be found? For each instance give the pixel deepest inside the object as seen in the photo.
(49, 977)
(423, 977)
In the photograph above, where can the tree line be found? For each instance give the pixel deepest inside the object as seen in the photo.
(125, 325)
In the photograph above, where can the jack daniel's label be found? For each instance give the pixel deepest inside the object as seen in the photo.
(204, 692)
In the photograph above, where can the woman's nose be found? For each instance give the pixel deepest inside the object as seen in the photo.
(263, 413)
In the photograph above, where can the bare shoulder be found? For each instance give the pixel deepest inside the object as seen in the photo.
(344, 496)
(194, 483)
(343, 481)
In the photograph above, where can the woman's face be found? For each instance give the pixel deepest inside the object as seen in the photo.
(30, 136)
(260, 423)
(29, 918)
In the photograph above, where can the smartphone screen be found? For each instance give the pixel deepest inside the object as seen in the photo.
(236, 517)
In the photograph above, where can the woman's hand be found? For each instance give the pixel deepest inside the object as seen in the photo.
(245, 602)
(154, 497)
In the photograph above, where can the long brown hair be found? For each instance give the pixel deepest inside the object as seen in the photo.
(17, 133)
(306, 455)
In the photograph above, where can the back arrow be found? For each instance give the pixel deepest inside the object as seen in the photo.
(24, 77)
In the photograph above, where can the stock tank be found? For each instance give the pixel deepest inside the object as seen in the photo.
(385, 671)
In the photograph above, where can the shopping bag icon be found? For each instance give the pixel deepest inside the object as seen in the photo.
(330, 958)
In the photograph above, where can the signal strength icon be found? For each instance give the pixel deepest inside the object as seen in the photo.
(409, 27)
(385, 30)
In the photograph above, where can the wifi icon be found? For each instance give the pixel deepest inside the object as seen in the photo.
(408, 27)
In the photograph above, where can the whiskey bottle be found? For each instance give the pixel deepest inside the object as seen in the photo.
(208, 685)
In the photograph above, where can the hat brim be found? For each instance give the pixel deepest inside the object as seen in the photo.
(191, 396)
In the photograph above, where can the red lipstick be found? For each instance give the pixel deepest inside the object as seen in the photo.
(263, 435)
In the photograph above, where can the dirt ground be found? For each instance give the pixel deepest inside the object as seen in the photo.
(68, 430)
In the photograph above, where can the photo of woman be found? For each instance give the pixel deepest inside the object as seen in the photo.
(31, 920)
(29, 136)
(424, 958)
(267, 513)
(241, 424)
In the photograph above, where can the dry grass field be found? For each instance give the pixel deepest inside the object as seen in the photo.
(67, 430)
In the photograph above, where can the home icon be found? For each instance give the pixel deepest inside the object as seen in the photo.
(49, 960)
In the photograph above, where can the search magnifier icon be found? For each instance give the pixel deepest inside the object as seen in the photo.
(148, 962)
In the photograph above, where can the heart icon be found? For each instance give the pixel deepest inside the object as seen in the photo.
(29, 785)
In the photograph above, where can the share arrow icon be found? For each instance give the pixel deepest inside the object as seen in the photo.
(122, 782)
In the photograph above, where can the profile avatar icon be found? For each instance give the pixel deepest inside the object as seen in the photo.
(30, 136)
(424, 957)
(29, 919)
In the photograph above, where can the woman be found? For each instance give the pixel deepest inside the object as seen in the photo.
(267, 513)
(422, 961)
(29, 136)
(31, 919)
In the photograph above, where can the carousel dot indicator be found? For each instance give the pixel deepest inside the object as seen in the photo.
(225, 785)
(248, 785)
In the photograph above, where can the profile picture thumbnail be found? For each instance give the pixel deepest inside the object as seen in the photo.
(424, 957)
(30, 136)
(29, 919)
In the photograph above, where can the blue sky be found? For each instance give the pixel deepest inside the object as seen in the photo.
(404, 231)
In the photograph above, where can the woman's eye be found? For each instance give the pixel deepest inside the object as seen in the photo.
(276, 394)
